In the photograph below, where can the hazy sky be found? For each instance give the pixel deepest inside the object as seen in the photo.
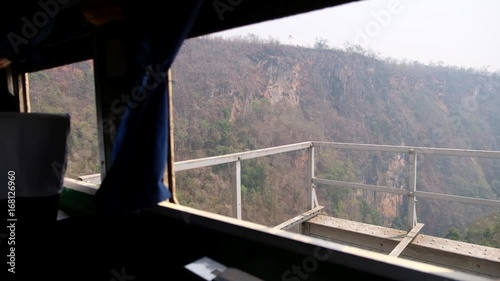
(456, 32)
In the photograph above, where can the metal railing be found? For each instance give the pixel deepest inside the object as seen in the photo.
(312, 202)
(235, 160)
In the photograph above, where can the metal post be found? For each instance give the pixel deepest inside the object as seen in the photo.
(412, 187)
(310, 176)
(171, 150)
(111, 83)
(236, 188)
(18, 85)
(24, 93)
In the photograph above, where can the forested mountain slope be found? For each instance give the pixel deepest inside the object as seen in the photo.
(232, 96)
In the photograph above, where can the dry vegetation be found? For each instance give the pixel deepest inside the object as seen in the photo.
(238, 95)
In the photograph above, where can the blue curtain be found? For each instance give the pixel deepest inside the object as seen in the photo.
(135, 178)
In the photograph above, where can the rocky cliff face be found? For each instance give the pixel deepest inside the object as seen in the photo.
(392, 176)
